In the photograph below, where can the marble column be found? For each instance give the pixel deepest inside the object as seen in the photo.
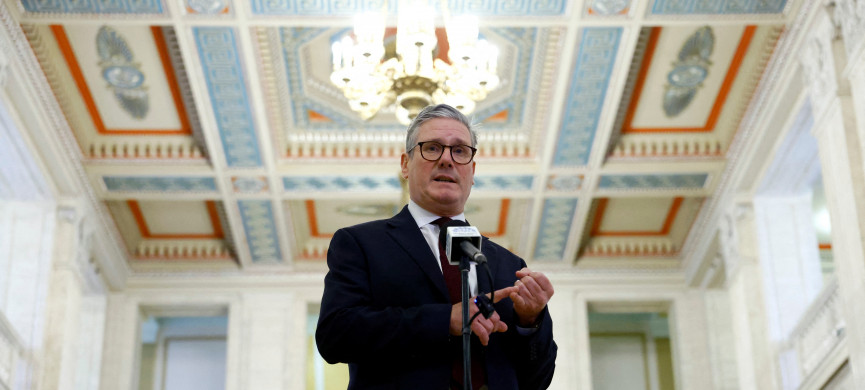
(74, 313)
(571, 330)
(838, 128)
(269, 330)
(120, 353)
(743, 294)
(689, 331)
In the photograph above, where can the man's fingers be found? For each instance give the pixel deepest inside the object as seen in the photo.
(525, 289)
(483, 327)
(533, 287)
(502, 293)
(536, 284)
(517, 298)
(481, 332)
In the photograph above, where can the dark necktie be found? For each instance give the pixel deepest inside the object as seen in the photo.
(454, 283)
(451, 272)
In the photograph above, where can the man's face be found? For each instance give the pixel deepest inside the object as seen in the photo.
(441, 187)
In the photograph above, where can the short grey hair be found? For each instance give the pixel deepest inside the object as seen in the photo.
(432, 112)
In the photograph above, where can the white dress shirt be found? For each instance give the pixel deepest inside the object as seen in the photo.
(430, 232)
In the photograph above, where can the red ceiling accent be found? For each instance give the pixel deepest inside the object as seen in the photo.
(316, 117)
(501, 116)
(87, 96)
(720, 100)
(665, 229)
(313, 220)
(145, 230)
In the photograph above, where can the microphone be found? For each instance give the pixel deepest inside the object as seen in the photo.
(459, 234)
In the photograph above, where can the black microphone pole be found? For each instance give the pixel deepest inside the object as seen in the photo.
(467, 329)
(465, 256)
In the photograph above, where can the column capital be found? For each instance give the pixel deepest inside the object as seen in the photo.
(849, 15)
(819, 63)
(736, 231)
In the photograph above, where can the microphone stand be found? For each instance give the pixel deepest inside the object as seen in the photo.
(467, 329)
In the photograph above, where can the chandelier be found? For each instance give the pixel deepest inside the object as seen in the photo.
(414, 78)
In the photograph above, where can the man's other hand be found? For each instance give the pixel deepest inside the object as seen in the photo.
(534, 290)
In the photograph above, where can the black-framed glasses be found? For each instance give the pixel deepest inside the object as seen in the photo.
(432, 151)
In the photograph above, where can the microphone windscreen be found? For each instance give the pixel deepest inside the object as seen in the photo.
(443, 233)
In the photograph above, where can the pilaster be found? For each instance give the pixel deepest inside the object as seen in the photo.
(267, 335)
(754, 354)
(722, 340)
(73, 309)
(121, 350)
(691, 348)
(569, 313)
(61, 328)
(839, 135)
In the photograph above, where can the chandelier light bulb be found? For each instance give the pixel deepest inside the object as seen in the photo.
(414, 78)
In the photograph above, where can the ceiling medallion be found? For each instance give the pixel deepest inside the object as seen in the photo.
(689, 71)
(414, 78)
(609, 7)
(207, 6)
(121, 72)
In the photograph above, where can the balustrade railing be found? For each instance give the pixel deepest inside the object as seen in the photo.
(820, 330)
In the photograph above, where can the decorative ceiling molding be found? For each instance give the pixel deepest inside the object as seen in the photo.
(588, 88)
(260, 228)
(564, 183)
(208, 7)
(555, 229)
(522, 8)
(303, 94)
(709, 141)
(631, 146)
(181, 79)
(630, 246)
(716, 7)
(504, 183)
(341, 183)
(164, 184)
(250, 184)
(94, 7)
(389, 183)
(226, 84)
(97, 142)
(608, 7)
(654, 181)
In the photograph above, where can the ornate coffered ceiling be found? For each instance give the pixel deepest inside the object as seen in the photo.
(211, 134)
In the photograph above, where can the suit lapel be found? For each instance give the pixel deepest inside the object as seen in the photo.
(403, 229)
(483, 278)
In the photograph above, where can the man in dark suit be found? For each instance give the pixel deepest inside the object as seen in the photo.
(387, 309)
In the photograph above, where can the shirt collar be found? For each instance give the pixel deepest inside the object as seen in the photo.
(423, 217)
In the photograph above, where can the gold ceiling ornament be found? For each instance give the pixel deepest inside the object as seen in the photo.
(414, 78)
